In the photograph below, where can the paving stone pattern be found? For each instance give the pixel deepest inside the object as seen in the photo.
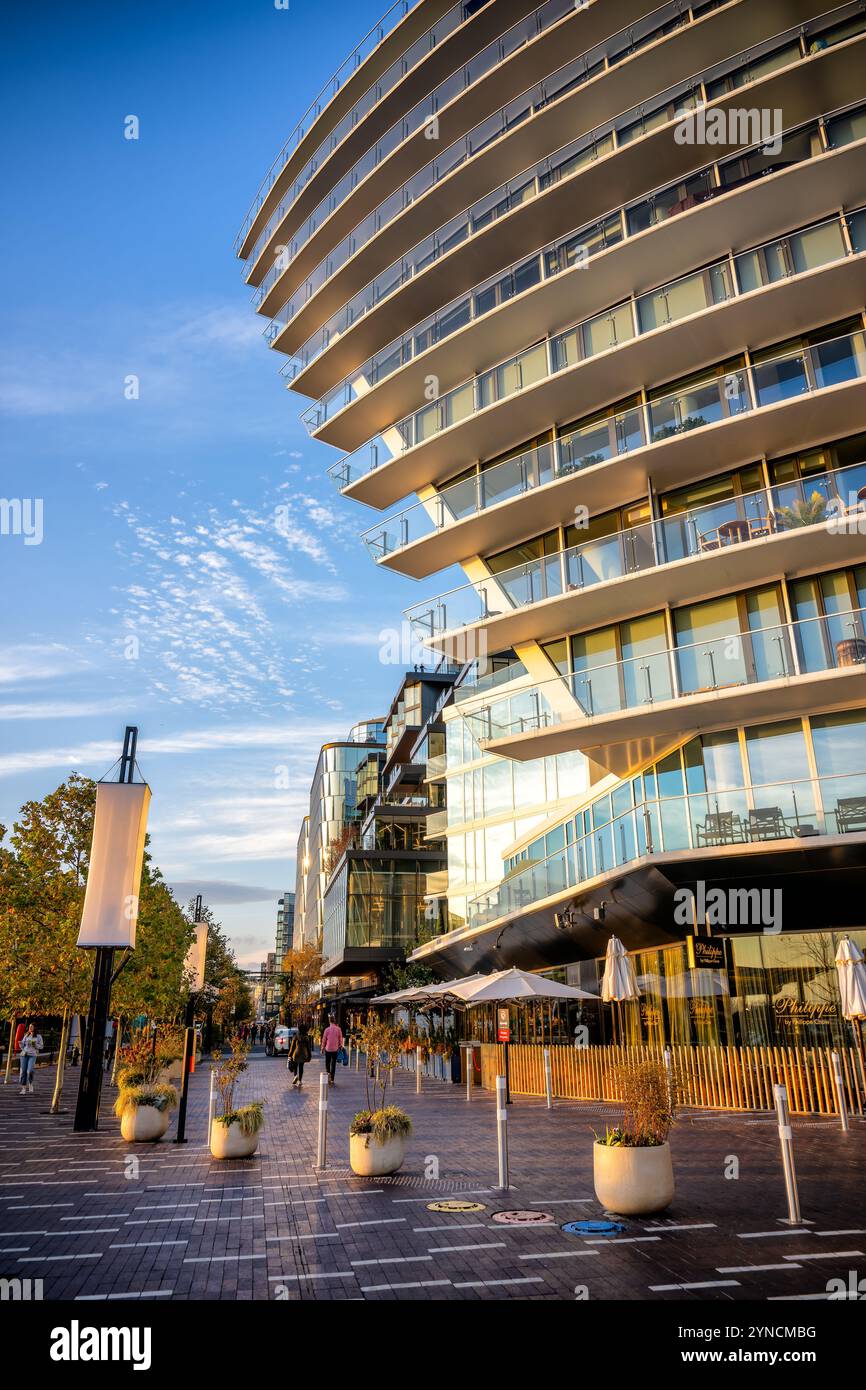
(177, 1225)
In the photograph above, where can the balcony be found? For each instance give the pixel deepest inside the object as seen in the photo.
(785, 402)
(426, 274)
(466, 73)
(787, 814)
(789, 529)
(356, 59)
(437, 824)
(537, 202)
(623, 713)
(595, 362)
(772, 264)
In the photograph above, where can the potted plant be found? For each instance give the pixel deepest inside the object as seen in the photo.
(804, 512)
(377, 1135)
(632, 1169)
(143, 1109)
(234, 1132)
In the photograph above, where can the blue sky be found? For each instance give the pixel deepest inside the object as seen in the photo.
(249, 646)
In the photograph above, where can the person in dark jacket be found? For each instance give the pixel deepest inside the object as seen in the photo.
(300, 1053)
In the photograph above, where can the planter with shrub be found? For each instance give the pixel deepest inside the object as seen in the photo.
(377, 1141)
(377, 1135)
(235, 1131)
(632, 1168)
(144, 1110)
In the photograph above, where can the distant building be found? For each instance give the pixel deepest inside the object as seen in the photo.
(285, 925)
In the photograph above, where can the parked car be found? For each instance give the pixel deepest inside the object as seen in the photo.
(282, 1038)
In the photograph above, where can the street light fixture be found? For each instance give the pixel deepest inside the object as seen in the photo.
(195, 963)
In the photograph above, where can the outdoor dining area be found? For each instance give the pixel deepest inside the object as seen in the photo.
(761, 823)
(707, 1074)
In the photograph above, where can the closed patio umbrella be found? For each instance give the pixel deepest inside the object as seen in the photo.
(851, 972)
(619, 982)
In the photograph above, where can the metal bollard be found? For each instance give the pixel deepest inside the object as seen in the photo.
(548, 1079)
(322, 1136)
(670, 1075)
(780, 1095)
(357, 1056)
(210, 1104)
(840, 1093)
(502, 1133)
(418, 1071)
(468, 1053)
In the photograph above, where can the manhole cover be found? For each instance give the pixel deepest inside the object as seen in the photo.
(454, 1204)
(523, 1218)
(592, 1228)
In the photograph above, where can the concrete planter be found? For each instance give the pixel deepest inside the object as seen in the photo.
(370, 1158)
(229, 1141)
(633, 1182)
(143, 1124)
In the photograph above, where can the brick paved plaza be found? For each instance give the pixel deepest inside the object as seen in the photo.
(185, 1227)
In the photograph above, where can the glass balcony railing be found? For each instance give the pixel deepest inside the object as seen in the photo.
(682, 298)
(359, 55)
(527, 184)
(836, 496)
(731, 659)
(773, 811)
(717, 398)
(497, 52)
(794, 254)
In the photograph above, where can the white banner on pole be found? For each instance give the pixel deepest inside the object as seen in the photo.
(116, 854)
(195, 959)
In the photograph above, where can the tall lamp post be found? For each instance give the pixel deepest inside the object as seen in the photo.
(110, 912)
(195, 963)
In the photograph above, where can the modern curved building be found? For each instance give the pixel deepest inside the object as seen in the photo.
(577, 292)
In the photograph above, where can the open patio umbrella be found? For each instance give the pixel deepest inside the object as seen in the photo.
(619, 982)
(851, 971)
(515, 986)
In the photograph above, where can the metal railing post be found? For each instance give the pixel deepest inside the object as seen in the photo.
(322, 1133)
(210, 1105)
(840, 1093)
(780, 1096)
(502, 1133)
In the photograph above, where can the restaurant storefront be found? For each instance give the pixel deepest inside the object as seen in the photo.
(774, 991)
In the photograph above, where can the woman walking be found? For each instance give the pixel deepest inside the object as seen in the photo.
(300, 1053)
(31, 1046)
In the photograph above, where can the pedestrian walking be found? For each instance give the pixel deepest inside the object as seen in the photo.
(332, 1041)
(31, 1046)
(300, 1052)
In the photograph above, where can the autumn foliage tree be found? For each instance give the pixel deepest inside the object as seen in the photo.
(43, 875)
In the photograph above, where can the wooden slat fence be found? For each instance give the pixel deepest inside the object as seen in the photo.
(710, 1078)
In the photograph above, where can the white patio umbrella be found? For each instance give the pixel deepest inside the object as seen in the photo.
(515, 986)
(619, 982)
(851, 972)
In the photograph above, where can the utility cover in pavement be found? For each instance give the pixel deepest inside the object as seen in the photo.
(523, 1218)
(593, 1228)
(454, 1204)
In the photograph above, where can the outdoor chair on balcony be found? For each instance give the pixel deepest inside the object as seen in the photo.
(851, 814)
(767, 823)
(721, 828)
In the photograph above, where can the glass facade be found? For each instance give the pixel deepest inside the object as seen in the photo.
(766, 782)
(774, 991)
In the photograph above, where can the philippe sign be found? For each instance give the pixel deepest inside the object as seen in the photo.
(704, 953)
